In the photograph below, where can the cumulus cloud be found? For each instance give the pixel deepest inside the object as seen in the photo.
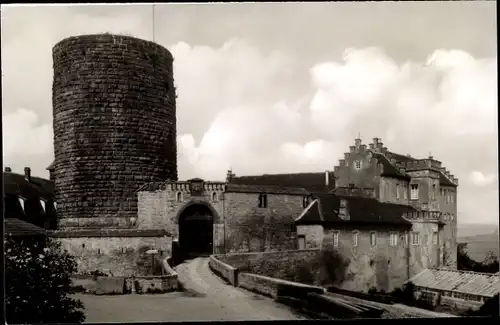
(246, 108)
(479, 179)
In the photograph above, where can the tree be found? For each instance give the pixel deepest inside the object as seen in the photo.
(37, 280)
(466, 263)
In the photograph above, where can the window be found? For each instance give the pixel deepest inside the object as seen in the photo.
(179, 196)
(355, 238)
(435, 238)
(302, 242)
(394, 239)
(452, 217)
(305, 201)
(433, 193)
(214, 197)
(373, 238)
(415, 238)
(414, 192)
(262, 200)
(357, 164)
(397, 191)
(55, 205)
(336, 238)
(293, 228)
(406, 239)
(351, 185)
(42, 203)
(451, 197)
(405, 192)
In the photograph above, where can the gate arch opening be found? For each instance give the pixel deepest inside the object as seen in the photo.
(196, 228)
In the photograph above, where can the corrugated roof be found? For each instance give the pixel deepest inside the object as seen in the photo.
(313, 182)
(18, 228)
(473, 283)
(325, 209)
(265, 189)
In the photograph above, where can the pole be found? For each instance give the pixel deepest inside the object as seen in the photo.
(153, 23)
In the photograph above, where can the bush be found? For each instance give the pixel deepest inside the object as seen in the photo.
(38, 283)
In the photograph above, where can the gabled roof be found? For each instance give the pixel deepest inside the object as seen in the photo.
(265, 189)
(325, 210)
(18, 228)
(474, 283)
(313, 182)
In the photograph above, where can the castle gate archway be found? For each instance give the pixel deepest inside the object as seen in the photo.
(196, 228)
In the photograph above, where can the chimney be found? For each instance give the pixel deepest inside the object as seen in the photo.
(327, 178)
(375, 141)
(357, 142)
(27, 173)
(336, 169)
(346, 156)
(229, 176)
(372, 146)
(352, 149)
(8, 170)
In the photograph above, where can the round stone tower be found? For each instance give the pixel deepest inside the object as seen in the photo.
(114, 126)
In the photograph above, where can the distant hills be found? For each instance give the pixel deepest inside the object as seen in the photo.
(480, 239)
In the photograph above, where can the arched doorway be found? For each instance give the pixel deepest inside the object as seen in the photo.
(196, 228)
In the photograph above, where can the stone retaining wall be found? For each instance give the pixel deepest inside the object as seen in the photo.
(223, 270)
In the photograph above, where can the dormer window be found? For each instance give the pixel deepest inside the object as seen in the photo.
(305, 201)
(21, 201)
(42, 203)
(357, 164)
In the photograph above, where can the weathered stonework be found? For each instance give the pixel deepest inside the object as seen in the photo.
(253, 229)
(114, 126)
(118, 255)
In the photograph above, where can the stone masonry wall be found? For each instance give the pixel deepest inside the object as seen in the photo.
(122, 256)
(114, 126)
(253, 229)
(160, 209)
(382, 266)
(313, 235)
(425, 254)
(448, 243)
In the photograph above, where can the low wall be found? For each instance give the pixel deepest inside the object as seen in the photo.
(273, 288)
(281, 264)
(118, 252)
(223, 270)
(99, 285)
(460, 304)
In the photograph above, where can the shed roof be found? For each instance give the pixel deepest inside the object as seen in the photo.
(473, 283)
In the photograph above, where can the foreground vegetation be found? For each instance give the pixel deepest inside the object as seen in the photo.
(38, 283)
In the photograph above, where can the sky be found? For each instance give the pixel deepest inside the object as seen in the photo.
(286, 87)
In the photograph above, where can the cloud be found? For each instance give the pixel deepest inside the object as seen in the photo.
(479, 179)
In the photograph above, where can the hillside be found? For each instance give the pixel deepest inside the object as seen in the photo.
(480, 240)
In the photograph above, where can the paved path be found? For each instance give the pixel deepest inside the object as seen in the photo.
(225, 302)
(206, 298)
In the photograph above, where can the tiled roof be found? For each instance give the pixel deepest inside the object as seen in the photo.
(267, 189)
(389, 169)
(16, 186)
(17, 228)
(325, 209)
(313, 182)
(473, 283)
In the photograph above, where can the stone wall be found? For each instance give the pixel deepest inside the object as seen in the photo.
(120, 256)
(253, 229)
(382, 266)
(313, 235)
(161, 208)
(449, 232)
(223, 270)
(280, 264)
(389, 189)
(426, 254)
(114, 126)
